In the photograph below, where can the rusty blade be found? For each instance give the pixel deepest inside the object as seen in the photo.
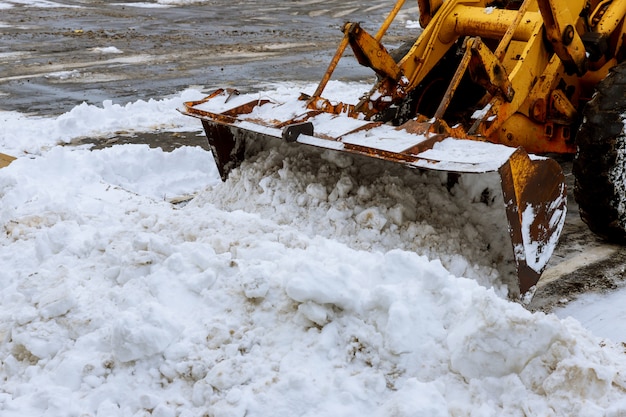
(533, 188)
(536, 204)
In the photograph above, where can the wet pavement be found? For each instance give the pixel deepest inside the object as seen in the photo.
(54, 58)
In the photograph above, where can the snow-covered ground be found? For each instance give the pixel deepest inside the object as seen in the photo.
(283, 292)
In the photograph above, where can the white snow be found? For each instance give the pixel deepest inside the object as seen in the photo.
(601, 312)
(23, 134)
(145, 5)
(6, 4)
(412, 24)
(479, 114)
(483, 155)
(107, 50)
(63, 75)
(294, 289)
(537, 254)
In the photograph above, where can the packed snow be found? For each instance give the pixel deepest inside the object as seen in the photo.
(293, 289)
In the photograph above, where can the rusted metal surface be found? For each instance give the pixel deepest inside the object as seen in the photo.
(371, 53)
(536, 200)
(487, 71)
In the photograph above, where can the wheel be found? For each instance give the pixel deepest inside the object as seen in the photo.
(600, 162)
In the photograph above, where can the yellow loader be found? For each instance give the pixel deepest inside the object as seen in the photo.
(485, 87)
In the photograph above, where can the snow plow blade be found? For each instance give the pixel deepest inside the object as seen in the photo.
(533, 188)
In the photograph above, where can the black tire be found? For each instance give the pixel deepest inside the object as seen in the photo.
(600, 162)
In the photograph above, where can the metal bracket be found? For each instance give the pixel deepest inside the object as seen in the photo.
(291, 132)
(369, 52)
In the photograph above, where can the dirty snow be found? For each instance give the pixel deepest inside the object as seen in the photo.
(302, 300)
(5, 4)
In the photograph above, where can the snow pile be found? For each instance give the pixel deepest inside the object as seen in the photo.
(26, 134)
(118, 303)
(376, 206)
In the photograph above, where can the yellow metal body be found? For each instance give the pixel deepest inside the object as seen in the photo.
(531, 61)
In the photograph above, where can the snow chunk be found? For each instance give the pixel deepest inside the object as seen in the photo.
(107, 50)
(372, 218)
(140, 334)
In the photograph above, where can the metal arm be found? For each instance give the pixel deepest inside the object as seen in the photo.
(561, 32)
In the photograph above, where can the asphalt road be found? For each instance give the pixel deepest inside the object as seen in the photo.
(54, 58)
(166, 49)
